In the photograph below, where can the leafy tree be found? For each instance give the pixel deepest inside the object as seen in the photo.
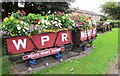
(103, 18)
(110, 18)
(111, 9)
(45, 7)
(35, 7)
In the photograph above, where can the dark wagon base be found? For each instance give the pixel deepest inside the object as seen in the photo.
(50, 61)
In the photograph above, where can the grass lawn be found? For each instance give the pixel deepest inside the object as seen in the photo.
(95, 63)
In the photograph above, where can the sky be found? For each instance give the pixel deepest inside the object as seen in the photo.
(90, 5)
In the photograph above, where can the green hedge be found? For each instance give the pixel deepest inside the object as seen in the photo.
(115, 23)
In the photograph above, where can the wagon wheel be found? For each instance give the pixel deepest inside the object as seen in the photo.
(31, 62)
(57, 56)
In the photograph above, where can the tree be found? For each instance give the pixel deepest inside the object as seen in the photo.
(110, 18)
(44, 7)
(103, 18)
(111, 9)
(35, 7)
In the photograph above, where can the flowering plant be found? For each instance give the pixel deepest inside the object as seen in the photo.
(14, 25)
(79, 21)
(19, 24)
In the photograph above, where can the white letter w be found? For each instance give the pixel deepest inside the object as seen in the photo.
(17, 45)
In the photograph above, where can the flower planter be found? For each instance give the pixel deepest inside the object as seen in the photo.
(94, 32)
(47, 44)
(79, 37)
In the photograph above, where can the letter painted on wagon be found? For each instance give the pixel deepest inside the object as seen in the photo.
(18, 45)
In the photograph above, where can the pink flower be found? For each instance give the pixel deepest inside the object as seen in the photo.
(23, 12)
(79, 26)
(18, 11)
(81, 23)
(61, 13)
(77, 18)
(72, 18)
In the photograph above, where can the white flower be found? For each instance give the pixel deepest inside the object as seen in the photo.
(49, 23)
(59, 20)
(26, 28)
(56, 18)
(55, 12)
(59, 24)
(66, 14)
(45, 26)
(56, 24)
(73, 24)
(45, 21)
(52, 21)
(55, 21)
(22, 22)
(72, 20)
(23, 30)
(77, 25)
(49, 11)
(38, 22)
(70, 27)
(18, 27)
(25, 23)
(18, 31)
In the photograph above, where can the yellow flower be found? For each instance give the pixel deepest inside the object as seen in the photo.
(11, 17)
(29, 35)
(70, 15)
(46, 17)
(3, 26)
(12, 34)
(6, 19)
(17, 21)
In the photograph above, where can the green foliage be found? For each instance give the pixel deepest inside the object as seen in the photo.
(103, 18)
(115, 23)
(19, 24)
(111, 9)
(110, 18)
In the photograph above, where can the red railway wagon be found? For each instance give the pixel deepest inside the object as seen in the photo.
(46, 44)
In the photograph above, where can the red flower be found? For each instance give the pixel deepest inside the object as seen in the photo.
(20, 18)
(18, 11)
(72, 18)
(23, 12)
(38, 20)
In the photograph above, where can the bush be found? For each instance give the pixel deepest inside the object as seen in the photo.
(115, 23)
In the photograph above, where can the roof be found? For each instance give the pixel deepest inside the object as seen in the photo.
(83, 11)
